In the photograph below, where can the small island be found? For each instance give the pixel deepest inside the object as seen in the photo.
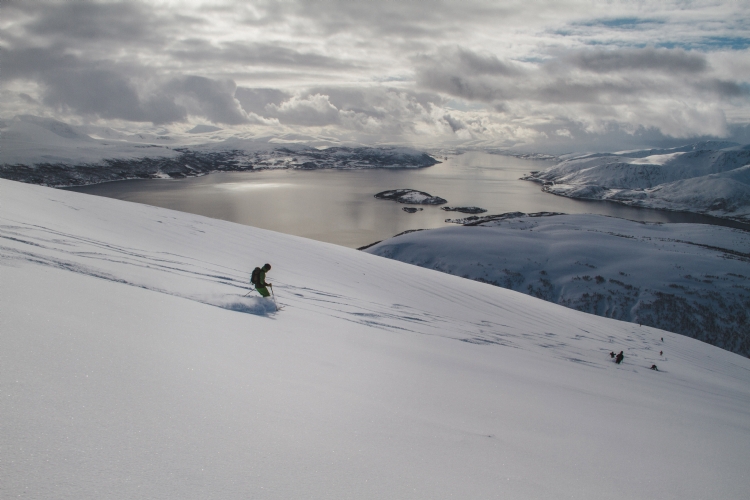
(411, 196)
(465, 210)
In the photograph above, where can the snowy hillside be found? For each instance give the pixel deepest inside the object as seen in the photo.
(132, 367)
(48, 152)
(30, 140)
(692, 279)
(709, 178)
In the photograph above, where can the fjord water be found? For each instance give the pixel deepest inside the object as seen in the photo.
(338, 206)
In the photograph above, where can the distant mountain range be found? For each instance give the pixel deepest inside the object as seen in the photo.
(48, 152)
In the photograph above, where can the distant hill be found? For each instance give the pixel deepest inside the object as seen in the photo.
(707, 177)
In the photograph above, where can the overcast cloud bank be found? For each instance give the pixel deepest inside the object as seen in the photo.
(559, 77)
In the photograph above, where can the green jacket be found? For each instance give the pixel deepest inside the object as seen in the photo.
(262, 279)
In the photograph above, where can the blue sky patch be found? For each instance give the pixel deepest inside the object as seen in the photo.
(710, 43)
(621, 22)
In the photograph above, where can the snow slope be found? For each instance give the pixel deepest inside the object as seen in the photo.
(692, 279)
(708, 178)
(131, 367)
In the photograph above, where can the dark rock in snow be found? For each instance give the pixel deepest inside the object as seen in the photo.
(465, 210)
(411, 210)
(475, 220)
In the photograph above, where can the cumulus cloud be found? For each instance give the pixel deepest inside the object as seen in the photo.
(256, 100)
(213, 99)
(454, 123)
(314, 110)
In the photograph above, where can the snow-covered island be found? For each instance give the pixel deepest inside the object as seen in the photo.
(48, 152)
(131, 366)
(693, 279)
(410, 196)
(711, 178)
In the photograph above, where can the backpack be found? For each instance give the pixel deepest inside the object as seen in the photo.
(255, 277)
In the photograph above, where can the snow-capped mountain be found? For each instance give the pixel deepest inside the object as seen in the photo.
(692, 279)
(131, 366)
(710, 178)
(48, 152)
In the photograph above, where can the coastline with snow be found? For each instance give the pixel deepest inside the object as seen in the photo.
(52, 153)
(710, 178)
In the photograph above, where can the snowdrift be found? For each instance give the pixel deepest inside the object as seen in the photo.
(126, 372)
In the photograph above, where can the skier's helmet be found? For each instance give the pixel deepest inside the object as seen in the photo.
(267, 267)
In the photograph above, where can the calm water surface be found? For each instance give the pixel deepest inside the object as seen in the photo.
(338, 206)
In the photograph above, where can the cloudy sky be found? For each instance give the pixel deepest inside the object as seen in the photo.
(542, 75)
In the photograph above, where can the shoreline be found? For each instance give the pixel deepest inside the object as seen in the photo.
(716, 220)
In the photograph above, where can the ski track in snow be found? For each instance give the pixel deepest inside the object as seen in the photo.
(190, 276)
(142, 268)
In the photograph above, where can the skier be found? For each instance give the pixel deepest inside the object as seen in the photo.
(619, 358)
(258, 278)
